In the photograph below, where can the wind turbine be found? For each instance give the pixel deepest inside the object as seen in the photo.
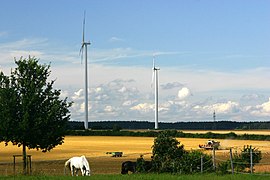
(155, 78)
(84, 49)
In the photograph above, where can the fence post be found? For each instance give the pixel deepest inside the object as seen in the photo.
(231, 158)
(30, 164)
(251, 160)
(214, 159)
(14, 161)
(201, 163)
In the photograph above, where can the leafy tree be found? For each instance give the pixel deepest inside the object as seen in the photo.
(32, 114)
(166, 152)
(169, 156)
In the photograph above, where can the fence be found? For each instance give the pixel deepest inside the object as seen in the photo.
(251, 166)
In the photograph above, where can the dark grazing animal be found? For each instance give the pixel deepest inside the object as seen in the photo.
(128, 166)
(131, 166)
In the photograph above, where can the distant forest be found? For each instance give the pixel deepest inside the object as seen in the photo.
(219, 125)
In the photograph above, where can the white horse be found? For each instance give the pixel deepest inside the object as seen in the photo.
(76, 163)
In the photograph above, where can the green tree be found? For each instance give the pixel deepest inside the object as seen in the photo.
(167, 151)
(32, 114)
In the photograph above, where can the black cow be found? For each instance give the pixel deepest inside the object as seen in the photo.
(131, 166)
(128, 166)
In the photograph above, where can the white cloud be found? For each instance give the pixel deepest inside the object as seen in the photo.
(108, 109)
(171, 85)
(116, 39)
(25, 54)
(123, 89)
(210, 80)
(64, 94)
(183, 93)
(108, 103)
(78, 93)
(143, 107)
(24, 44)
(261, 110)
(124, 92)
(129, 103)
(226, 107)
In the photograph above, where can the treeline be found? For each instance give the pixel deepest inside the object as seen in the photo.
(174, 133)
(220, 125)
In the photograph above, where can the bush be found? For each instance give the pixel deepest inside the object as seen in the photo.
(223, 167)
(167, 151)
(191, 162)
(143, 166)
(242, 161)
(170, 157)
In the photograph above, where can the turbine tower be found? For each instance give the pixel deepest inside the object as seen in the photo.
(155, 79)
(84, 49)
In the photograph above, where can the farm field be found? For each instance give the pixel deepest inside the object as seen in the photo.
(95, 148)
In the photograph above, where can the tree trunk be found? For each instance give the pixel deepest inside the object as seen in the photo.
(24, 160)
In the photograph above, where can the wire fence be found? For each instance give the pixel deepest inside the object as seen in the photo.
(251, 167)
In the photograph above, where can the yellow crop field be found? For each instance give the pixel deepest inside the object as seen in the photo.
(95, 148)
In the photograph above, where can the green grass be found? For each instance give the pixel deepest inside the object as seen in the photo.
(146, 177)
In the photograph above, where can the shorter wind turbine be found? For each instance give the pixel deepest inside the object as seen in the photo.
(155, 79)
(84, 49)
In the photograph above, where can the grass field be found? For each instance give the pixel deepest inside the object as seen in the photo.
(95, 148)
(146, 177)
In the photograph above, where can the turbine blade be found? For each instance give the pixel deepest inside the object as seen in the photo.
(153, 76)
(83, 27)
(153, 62)
(81, 53)
(157, 80)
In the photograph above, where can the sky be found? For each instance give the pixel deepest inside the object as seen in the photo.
(213, 55)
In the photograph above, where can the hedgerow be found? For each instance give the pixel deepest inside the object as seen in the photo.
(179, 134)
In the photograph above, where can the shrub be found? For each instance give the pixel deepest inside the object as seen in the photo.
(170, 157)
(143, 166)
(223, 167)
(191, 162)
(242, 160)
(167, 151)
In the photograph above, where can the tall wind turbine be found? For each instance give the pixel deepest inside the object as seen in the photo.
(84, 49)
(156, 81)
